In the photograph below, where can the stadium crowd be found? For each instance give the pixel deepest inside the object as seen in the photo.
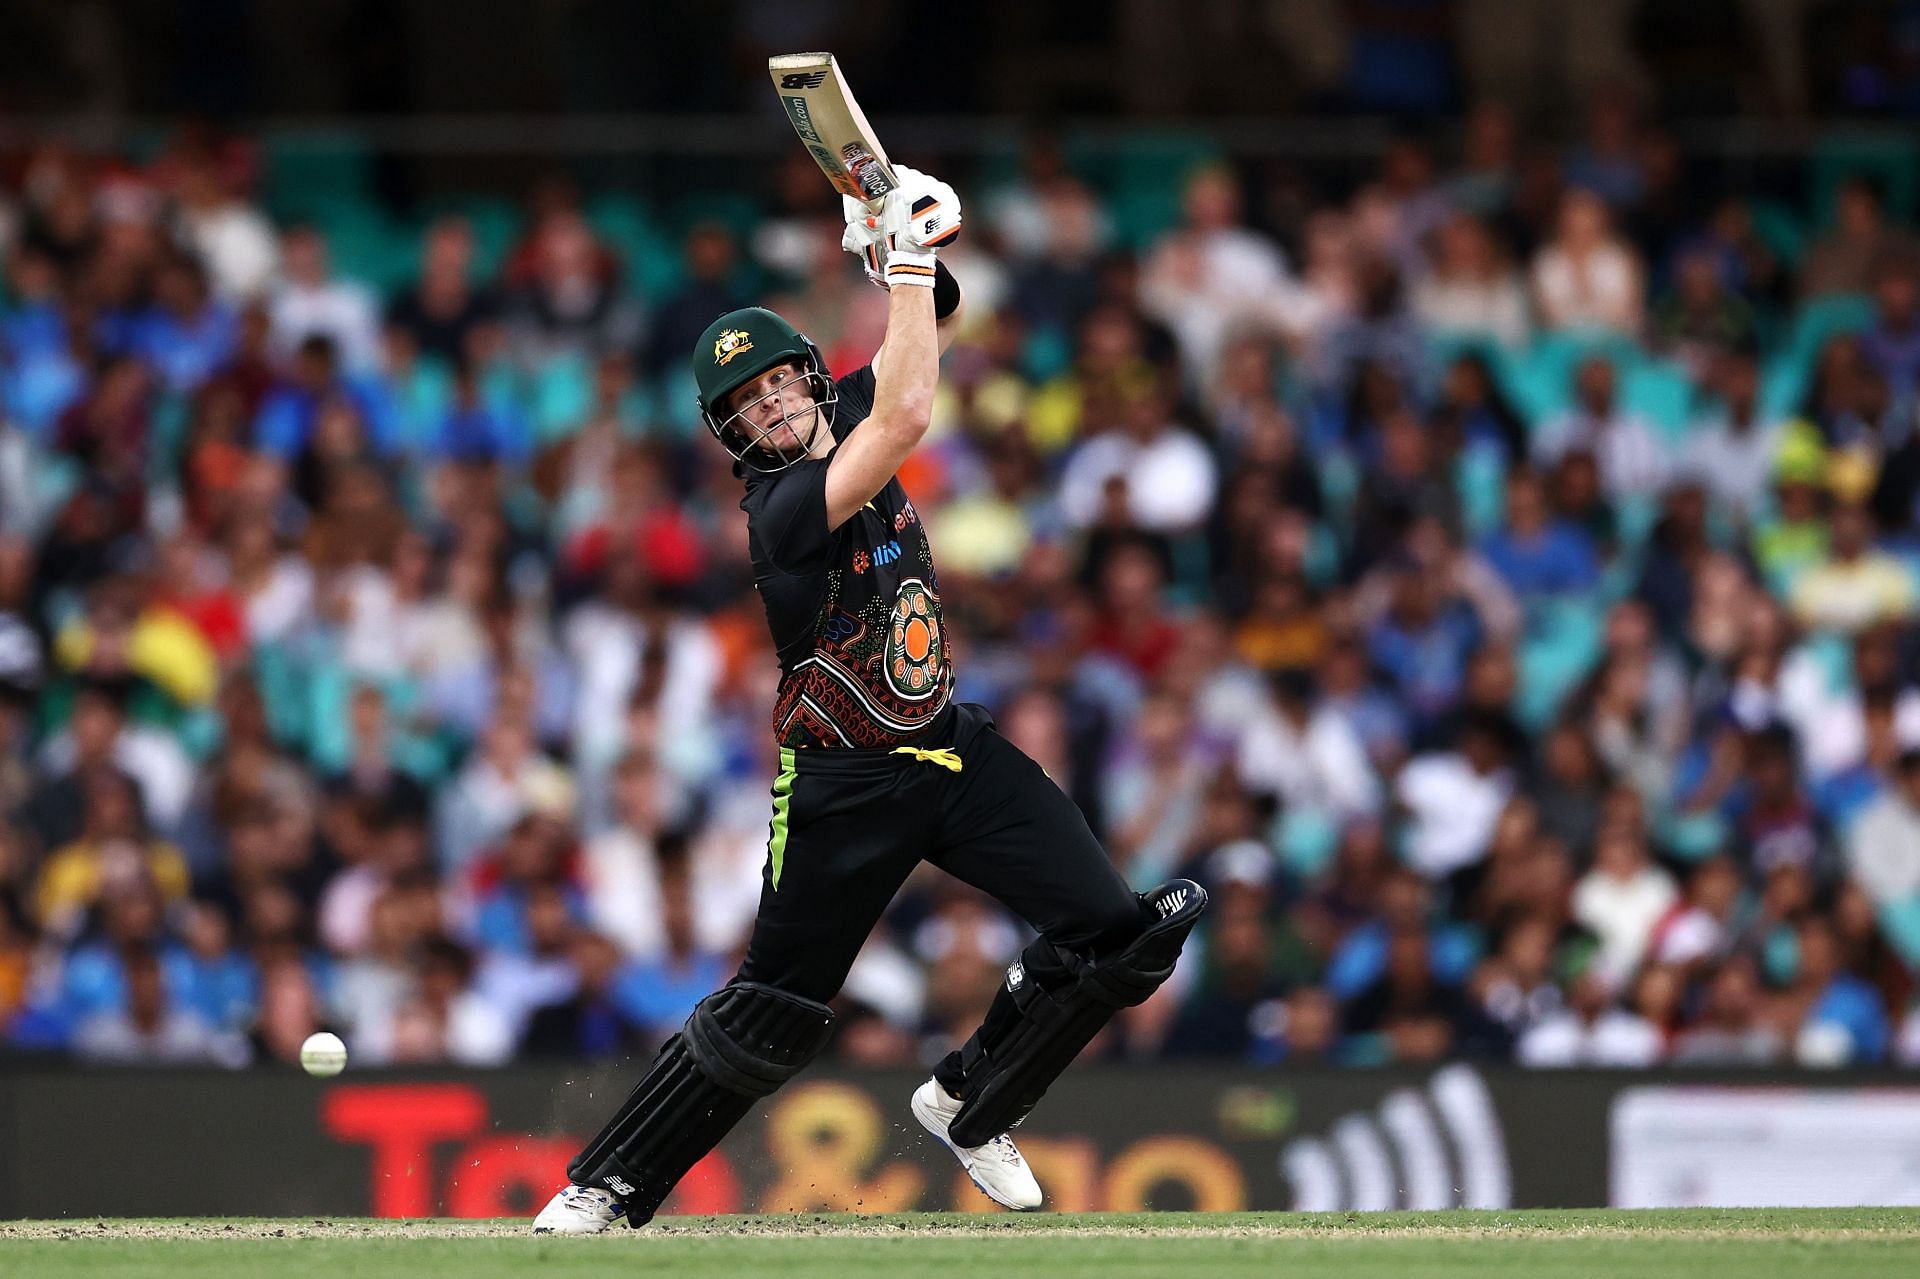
(1495, 578)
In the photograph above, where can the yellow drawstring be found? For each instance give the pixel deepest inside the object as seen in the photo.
(942, 756)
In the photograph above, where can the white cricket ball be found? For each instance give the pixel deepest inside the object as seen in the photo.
(323, 1055)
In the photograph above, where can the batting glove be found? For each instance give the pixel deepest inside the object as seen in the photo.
(916, 218)
(868, 243)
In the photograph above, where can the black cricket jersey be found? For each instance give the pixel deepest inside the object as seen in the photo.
(854, 611)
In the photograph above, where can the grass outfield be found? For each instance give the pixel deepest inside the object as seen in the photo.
(1698, 1244)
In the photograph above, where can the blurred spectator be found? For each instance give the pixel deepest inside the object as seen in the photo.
(1730, 1032)
(233, 238)
(573, 306)
(710, 289)
(1892, 345)
(1842, 260)
(1833, 1016)
(1883, 853)
(1700, 319)
(1454, 798)
(443, 307)
(151, 1030)
(1632, 464)
(1731, 451)
(1160, 475)
(1855, 585)
(589, 1022)
(1537, 557)
(1587, 278)
(1591, 1031)
(1620, 901)
(1470, 289)
(1307, 756)
(113, 846)
(1211, 274)
(311, 302)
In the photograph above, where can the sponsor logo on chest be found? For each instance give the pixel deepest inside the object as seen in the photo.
(885, 553)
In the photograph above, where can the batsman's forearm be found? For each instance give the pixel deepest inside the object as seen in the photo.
(905, 378)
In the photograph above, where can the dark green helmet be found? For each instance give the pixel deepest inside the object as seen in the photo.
(737, 348)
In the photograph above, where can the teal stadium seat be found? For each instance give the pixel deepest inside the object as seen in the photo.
(1787, 377)
(1562, 645)
(1889, 158)
(370, 247)
(651, 257)
(497, 226)
(311, 173)
(561, 398)
(1780, 228)
(1663, 391)
(1540, 380)
(1142, 178)
(1307, 841)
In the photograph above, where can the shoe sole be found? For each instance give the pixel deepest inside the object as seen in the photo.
(933, 1125)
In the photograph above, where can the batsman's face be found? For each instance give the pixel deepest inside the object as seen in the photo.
(778, 407)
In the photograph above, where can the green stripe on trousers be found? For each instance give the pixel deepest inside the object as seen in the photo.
(782, 798)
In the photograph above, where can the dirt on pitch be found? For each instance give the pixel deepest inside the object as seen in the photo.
(1484, 1225)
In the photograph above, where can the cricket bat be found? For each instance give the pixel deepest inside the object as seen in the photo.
(832, 126)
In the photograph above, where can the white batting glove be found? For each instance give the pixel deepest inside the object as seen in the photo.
(864, 241)
(915, 219)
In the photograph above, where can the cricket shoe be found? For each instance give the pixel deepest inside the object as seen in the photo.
(578, 1210)
(997, 1168)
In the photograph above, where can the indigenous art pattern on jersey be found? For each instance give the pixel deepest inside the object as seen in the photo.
(877, 676)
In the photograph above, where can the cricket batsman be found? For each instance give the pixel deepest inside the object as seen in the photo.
(880, 768)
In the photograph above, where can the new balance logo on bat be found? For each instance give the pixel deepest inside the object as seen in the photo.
(1172, 902)
(619, 1185)
(803, 80)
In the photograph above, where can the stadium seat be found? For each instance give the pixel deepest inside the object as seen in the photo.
(1780, 228)
(1307, 841)
(1664, 392)
(1887, 156)
(310, 173)
(1693, 837)
(1900, 923)
(651, 257)
(1562, 644)
(561, 397)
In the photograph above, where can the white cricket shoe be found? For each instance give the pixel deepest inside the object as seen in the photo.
(997, 1168)
(578, 1210)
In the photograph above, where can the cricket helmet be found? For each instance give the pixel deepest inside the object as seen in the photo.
(737, 348)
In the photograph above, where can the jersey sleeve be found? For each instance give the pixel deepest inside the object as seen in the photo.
(856, 400)
(787, 516)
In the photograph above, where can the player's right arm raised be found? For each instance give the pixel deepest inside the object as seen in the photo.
(917, 217)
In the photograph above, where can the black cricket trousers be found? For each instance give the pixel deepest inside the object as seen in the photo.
(850, 825)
